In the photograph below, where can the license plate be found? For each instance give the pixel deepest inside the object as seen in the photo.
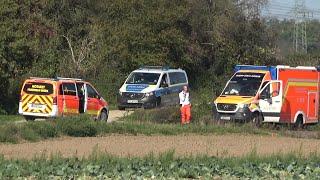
(36, 106)
(133, 101)
(225, 118)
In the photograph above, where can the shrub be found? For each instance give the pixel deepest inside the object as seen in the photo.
(44, 129)
(80, 126)
(9, 133)
(28, 134)
(158, 115)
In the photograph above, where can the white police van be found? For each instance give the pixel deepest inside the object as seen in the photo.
(152, 86)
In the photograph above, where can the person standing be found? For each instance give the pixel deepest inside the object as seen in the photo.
(185, 104)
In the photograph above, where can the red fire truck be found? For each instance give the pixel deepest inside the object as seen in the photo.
(277, 94)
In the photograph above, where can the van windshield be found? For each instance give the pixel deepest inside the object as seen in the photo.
(244, 84)
(38, 88)
(143, 78)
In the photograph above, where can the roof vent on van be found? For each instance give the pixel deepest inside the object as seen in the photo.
(40, 78)
(165, 68)
(62, 78)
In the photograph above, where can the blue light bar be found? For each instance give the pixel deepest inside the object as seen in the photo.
(272, 69)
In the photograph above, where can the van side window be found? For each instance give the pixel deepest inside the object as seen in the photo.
(164, 81)
(177, 78)
(68, 89)
(264, 84)
(91, 92)
(265, 94)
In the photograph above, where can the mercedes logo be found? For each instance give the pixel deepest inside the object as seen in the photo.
(131, 95)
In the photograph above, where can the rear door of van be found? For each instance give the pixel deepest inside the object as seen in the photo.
(177, 81)
(37, 97)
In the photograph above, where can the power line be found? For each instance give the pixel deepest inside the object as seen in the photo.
(274, 8)
(301, 14)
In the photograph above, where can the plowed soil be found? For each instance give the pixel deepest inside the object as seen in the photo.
(126, 145)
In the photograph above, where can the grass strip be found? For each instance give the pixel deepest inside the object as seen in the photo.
(84, 126)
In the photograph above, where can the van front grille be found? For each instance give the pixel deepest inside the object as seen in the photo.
(226, 107)
(131, 95)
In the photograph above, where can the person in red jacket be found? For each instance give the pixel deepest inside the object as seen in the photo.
(185, 104)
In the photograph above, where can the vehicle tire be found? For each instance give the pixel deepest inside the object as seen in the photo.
(299, 123)
(158, 102)
(29, 118)
(103, 116)
(121, 108)
(256, 119)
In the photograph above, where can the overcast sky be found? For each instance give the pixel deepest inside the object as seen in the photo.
(283, 6)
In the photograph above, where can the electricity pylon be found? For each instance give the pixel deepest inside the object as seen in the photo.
(301, 14)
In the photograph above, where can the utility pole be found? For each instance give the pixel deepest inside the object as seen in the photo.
(301, 16)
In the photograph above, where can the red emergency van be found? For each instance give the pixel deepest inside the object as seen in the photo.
(52, 97)
(276, 94)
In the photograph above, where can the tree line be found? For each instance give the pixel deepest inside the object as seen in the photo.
(103, 41)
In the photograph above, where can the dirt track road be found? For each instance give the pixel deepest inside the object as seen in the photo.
(125, 145)
(114, 115)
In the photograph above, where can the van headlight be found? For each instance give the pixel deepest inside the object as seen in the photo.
(149, 94)
(243, 106)
(120, 93)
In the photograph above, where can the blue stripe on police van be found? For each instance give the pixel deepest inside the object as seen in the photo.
(136, 87)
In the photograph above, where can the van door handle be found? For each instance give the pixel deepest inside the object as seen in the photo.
(276, 101)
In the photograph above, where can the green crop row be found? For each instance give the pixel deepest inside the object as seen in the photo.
(165, 166)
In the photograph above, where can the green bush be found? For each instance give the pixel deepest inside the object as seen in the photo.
(158, 115)
(28, 134)
(9, 133)
(80, 126)
(43, 129)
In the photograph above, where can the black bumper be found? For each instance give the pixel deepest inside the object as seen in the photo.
(144, 102)
(241, 115)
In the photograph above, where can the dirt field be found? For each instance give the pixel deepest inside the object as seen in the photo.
(124, 145)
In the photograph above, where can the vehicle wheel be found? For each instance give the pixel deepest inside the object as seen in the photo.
(256, 119)
(121, 108)
(29, 118)
(299, 123)
(103, 116)
(158, 102)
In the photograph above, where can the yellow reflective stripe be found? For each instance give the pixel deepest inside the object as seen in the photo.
(24, 97)
(70, 110)
(49, 104)
(292, 83)
(46, 100)
(25, 102)
(92, 111)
